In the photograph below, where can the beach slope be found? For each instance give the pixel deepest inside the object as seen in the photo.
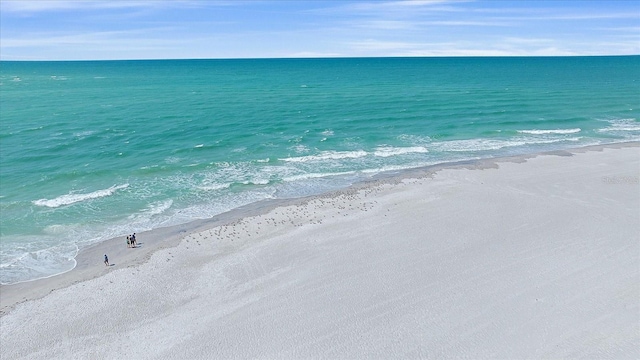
(524, 257)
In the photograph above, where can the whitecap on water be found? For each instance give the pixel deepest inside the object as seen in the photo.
(621, 125)
(72, 198)
(550, 131)
(387, 151)
(328, 155)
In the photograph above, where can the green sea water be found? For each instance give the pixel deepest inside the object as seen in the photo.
(98, 149)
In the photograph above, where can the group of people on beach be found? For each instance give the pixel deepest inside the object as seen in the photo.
(131, 241)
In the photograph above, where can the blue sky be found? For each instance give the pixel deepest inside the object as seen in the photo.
(177, 29)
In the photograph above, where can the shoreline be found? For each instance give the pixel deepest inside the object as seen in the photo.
(539, 252)
(89, 260)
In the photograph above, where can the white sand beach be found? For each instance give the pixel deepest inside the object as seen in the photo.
(516, 258)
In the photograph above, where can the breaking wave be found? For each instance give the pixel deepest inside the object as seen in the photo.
(69, 199)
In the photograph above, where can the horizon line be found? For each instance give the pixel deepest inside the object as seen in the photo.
(322, 58)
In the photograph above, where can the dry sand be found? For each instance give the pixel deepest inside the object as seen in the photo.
(534, 257)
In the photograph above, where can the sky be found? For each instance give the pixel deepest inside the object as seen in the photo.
(188, 29)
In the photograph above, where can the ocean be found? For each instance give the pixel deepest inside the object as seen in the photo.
(91, 150)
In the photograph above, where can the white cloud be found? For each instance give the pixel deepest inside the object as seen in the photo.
(30, 6)
(407, 8)
(385, 24)
(526, 41)
(416, 3)
(469, 23)
(129, 44)
(586, 16)
(33, 6)
(48, 40)
(634, 30)
(508, 46)
(379, 45)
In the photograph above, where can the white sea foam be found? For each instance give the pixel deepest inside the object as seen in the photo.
(392, 168)
(492, 144)
(157, 208)
(300, 148)
(256, 182)
(552, 131)
(328, 155)
(143, 218)
(74, 198)
(83, 134)
(386, 151)
(38, 264)
(475, 145)
(414, 139)
(214, 187)
(172, 160)
(315, 176)
(621, 125)
(57, 229)
(239, 173)
(199, 146)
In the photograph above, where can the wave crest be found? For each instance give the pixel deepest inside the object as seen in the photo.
(69, 199)
(393, 151)
(621, 125)
(551, 131)
(328, 155)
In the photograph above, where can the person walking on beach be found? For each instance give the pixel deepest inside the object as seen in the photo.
(106, 260)
(128, 241)
(133, 240)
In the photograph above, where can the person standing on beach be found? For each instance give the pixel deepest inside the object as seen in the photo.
(106, 260)
(128, 241)
(133, 239)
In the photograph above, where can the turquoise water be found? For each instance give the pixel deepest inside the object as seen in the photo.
(94, 150)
